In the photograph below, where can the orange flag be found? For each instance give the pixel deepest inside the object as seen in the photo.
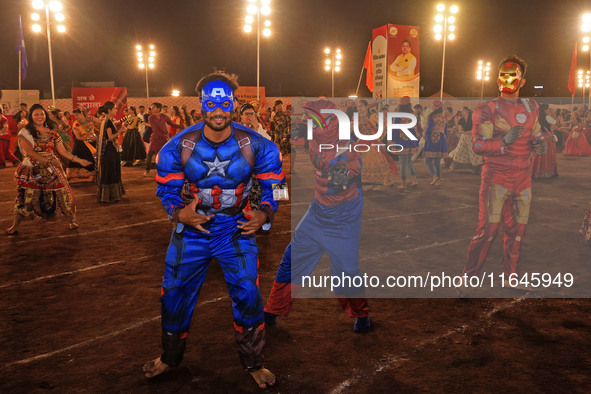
(368, 64)
(573, 70)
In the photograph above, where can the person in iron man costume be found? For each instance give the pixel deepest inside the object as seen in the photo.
(331, 225)
(204, 178)
(503, 133)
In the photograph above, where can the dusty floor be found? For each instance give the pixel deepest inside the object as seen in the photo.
(80, 309)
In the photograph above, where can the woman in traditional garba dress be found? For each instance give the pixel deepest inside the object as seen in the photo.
(42, 185)
(133, 150)
(83, 131)
(110, 187)
(576, 144)
(544, 166)
(463, 155)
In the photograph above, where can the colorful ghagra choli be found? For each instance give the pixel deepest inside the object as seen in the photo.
(42, 188)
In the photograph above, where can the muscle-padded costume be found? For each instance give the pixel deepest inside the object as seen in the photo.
(331, 225)
(219, 176)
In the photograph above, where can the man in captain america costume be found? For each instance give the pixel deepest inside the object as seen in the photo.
(331, 225)
(503, 132)
(211, 164)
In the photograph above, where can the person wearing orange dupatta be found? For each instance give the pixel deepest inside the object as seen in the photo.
(177, 120)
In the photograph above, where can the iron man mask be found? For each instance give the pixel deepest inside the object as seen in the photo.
(509, 77)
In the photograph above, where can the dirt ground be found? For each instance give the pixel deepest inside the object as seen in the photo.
(80, 309)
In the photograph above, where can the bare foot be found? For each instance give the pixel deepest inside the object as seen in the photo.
(73, 226)
(155, 367)
(263, 377)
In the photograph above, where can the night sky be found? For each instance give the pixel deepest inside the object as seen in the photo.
(194, 37)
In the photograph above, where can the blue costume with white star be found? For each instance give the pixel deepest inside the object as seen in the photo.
(219, 176)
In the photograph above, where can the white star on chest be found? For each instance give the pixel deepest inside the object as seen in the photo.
(217, 167)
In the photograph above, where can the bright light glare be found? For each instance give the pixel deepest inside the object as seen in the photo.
(249, 19)
(265, 2)
(451, 36)
(586, 40)
(451, 28)
(327, 68)
(586, 28)
(438, 37)
(453, 9)
(438, 18)
(35, 17)
(587, 18)
(247, 28)
(152, 65)
(175, 93)
(152, 53)
(61, 28)
(479, 77)
(151, 59)
(141, 65)
(266, 32)
(327, 50)
(440, 7)
(480, 62)
(266, 10)
(151, 46)
(339, 56)
(451, 19)
(338, 51)
(138, 47)
(252, 9)
(585, 48)
(59, 17)
(486, 78)
(337, 69)
(267, 23)
(56, 6)
(38, 4)
(36, 28)
(327, 61)
(437, 28)
(139, 54)
(338, 62)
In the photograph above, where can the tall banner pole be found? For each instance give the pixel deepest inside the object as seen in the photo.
(20, 75)
(359, 83)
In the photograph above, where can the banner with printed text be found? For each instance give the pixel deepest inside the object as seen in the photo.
(95, 97)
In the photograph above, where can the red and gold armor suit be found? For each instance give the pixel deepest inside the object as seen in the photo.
(505, 189)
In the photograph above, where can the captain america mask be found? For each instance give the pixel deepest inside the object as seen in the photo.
(510, 76)
(217, 94)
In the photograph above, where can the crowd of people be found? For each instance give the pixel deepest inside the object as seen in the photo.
(103, 144)
(217, 171)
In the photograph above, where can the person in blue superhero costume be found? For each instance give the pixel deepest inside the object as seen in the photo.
(204, 178)
(331, 225)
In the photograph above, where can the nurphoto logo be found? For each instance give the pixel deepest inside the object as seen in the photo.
(317, 121)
